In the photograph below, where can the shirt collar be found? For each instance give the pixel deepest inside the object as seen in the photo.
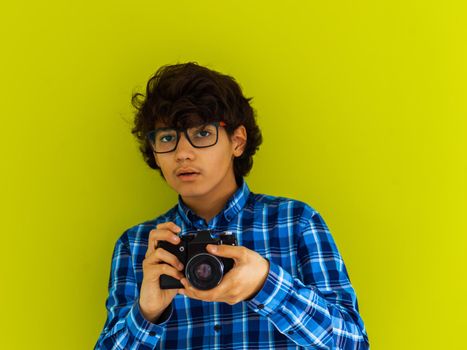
(233, 206)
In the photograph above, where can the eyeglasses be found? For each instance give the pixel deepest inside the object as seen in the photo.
(164, 140)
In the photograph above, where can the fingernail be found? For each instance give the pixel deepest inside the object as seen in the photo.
(180, 266)
(213, 248)
(175, 239)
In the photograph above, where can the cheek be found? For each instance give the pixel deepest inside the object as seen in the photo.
(164, 166)
(220, 161)
(156, 160)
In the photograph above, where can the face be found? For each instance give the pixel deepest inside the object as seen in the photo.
(202, 172)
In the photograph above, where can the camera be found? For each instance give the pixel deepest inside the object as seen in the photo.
(204, 271)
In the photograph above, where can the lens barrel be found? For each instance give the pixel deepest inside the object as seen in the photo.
(204, 271)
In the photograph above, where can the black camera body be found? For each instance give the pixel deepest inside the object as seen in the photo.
(204, 270)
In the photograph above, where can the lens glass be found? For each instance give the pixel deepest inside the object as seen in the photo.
(166, 139)
(204, 271)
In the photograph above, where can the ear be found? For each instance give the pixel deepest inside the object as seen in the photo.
(239, 138)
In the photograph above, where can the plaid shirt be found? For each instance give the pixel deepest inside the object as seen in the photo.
(307, 300)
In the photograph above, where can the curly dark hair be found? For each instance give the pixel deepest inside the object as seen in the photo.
(177, 93)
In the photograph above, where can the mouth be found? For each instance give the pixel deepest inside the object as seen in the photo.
(188, 175)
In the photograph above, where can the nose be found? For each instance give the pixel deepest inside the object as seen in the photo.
(184, 148)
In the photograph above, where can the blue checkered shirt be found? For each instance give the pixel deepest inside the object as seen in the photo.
(307, 300)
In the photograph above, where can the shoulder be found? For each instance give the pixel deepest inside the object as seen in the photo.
(282, 205)
(138, 234)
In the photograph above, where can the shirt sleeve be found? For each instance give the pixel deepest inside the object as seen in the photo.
(125, 326)
(319, 308)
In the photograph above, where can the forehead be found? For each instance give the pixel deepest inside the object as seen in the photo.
(185, 121)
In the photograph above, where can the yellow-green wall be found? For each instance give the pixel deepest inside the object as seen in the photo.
(362, 105)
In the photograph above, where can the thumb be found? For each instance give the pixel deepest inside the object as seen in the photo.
(226, 251)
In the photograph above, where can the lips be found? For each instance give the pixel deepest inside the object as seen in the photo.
(186, 172)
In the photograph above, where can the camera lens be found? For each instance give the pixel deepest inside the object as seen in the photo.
(204, 271)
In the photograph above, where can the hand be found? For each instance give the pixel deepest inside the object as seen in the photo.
(242, 282)
(153, 300)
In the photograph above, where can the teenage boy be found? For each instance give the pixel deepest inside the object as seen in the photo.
(288, 288)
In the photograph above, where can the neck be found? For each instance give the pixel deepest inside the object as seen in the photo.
(211, 203)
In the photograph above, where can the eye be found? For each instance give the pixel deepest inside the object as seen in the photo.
(203, 133)
(166, 138)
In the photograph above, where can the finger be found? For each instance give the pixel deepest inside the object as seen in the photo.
(169, 225)
(165, 226)
(235, 252)
(190, 291)
(151, 243)
(161, 255)
(189, 294)
(161, 234)
(163, 269)
(206, 295)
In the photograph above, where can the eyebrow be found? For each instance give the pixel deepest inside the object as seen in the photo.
(164, 126)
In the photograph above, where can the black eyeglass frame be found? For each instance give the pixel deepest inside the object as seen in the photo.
(178, 131)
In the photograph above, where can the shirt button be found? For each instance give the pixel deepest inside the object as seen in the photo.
(217, 327)
(152, 333)
(261, 306)
(290, 332)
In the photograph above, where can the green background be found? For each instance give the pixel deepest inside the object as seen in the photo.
(362, 105)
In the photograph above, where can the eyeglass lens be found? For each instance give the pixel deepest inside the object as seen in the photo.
(165, 140)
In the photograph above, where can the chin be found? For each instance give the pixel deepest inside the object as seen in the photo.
(188, 189)
(191, 193)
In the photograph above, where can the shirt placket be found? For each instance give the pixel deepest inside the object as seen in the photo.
(216, 327)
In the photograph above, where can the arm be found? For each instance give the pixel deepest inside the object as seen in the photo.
(125, 327)
(320, 309)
